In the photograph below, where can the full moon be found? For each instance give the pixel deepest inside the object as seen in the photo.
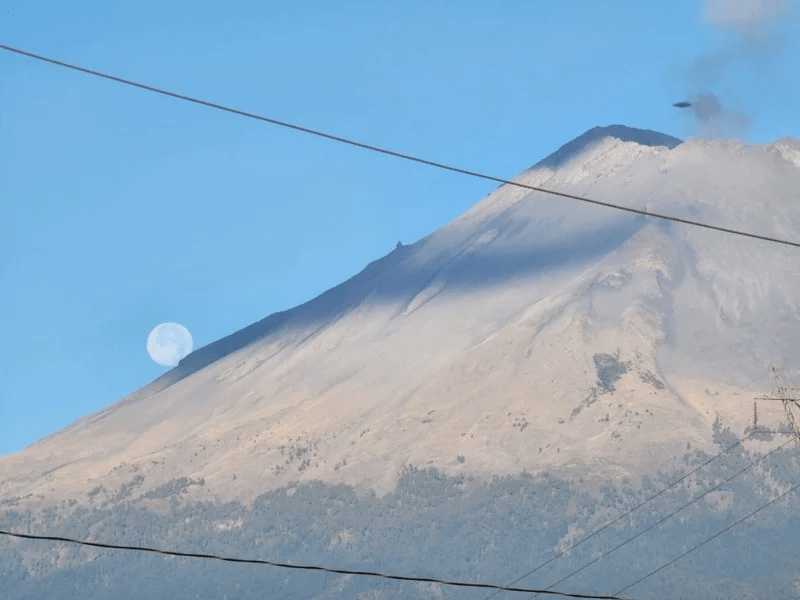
(168, 343)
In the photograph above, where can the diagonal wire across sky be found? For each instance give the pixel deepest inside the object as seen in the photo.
(393, 153)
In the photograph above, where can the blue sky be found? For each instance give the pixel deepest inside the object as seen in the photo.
(121, 209)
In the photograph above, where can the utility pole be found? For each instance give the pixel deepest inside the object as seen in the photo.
(790, 398)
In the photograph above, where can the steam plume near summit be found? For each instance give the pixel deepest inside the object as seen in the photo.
(747, 62)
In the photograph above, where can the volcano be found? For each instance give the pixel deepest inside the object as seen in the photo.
(470, 404)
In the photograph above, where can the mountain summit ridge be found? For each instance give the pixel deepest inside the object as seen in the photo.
(595, 135)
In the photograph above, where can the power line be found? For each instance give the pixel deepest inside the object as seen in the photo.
(622, 516)
(638, 506)
(711, 538)
(254, 561)
(372, 148)
(703, 495)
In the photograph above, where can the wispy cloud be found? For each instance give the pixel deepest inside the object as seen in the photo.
(753, 45)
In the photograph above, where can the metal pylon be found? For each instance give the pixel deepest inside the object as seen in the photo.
(790, 397)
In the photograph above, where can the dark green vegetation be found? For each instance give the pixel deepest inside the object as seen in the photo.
(430, 526)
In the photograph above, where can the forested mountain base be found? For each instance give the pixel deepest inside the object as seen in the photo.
(451, 528)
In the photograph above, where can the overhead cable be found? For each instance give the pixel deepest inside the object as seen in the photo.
(677, 558)
(635, 508)
(253, 561)
(401, 155)
(700, 497)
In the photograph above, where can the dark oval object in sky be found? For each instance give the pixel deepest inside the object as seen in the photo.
(682, 104)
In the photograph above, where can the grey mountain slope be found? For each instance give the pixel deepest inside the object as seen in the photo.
(340, 298)
(546, 363)
(350, 293)
(497, 318)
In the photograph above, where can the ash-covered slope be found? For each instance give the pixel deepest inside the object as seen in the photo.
(489, 395)
(531, 333)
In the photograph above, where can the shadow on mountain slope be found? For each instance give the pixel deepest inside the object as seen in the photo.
(392, 279)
